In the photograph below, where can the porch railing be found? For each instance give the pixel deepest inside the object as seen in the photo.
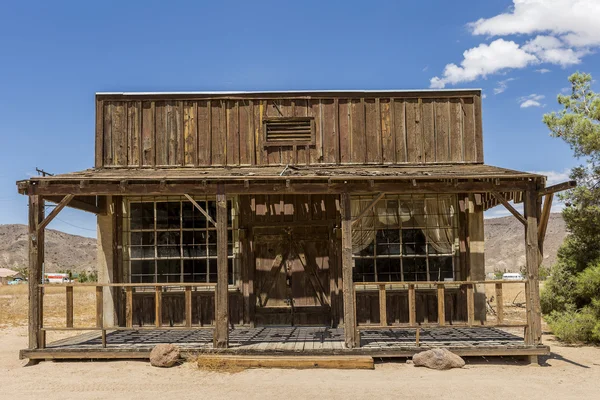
(157, 288)
(440, 288)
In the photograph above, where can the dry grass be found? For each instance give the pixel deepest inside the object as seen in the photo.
(14, 306)
(214, 364)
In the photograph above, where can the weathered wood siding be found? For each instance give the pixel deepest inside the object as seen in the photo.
(393, 128)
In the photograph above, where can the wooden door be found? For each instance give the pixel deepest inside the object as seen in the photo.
(291, 281)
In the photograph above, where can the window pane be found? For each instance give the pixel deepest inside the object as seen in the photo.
(413, 241)
(141, 215)
(212, 270)
(364, 270)
(142, 267)
(440, 268)
(212, 243)
(388, 242)
(192, 217)
(211, 209)
(388, 269)
(194, 270)
(168, 270)
(167, 215)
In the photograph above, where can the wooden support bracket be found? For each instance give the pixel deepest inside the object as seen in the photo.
(367, 208)
(63, 203)
(510, 208)
(208, 217)
(557, 188)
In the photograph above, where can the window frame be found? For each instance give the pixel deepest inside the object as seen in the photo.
(401, 256)
(234, 256)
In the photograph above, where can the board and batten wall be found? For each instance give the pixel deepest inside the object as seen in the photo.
(186, 130)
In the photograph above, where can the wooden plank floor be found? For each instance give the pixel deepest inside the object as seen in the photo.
(295, 340)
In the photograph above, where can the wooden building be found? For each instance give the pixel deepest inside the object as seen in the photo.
(341, 215)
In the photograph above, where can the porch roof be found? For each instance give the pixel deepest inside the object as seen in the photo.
(316, 172)
(317, 179)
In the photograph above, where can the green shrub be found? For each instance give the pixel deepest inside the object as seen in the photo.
(575, 326)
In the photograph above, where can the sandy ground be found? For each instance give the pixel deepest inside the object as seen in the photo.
(569, 373)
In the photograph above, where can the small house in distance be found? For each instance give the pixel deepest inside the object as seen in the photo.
(327, 222)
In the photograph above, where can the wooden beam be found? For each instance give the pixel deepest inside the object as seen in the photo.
(286, 361)
(499, 304)
(188, 306)
(63, 203)
(367, 208)
(470, 305)
(350, 333)
(69, 307)
(99, 307)
(36, 260)
(129, 307)
(208, 217)
(221, 338)
(441, 305)
(412, 305)
(382, 306)
(532, 288)
(559, 187)
(152, 188)
(543, 222)
(507, 205)
(158, 306)
(78, 203)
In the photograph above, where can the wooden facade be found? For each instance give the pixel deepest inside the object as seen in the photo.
(198, 130)
(294, 166)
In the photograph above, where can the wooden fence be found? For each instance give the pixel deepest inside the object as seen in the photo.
(468, 287)
(157, 288)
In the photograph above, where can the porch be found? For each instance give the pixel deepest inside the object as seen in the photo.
(306, 341)
(299, 262)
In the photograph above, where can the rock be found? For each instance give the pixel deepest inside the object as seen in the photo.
(438, 359)
(164, 355)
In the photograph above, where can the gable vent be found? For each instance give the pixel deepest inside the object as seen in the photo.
(289, 131)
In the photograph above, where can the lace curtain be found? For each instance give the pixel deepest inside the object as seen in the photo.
(433, 216)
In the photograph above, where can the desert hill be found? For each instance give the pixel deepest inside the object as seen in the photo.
(505, 243)
(63, 251)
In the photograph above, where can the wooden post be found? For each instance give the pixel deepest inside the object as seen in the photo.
(499, 304)
(36, 260)
(158, 306)
(351, 338)
(382, 306)
(412, 306)
(99, 307)
(129, 307)
(441, 305)
(221, 338)
(188, 306)
(69, 301)
(470, 304)
(532, 289)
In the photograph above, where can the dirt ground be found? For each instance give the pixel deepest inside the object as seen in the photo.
(568, 373)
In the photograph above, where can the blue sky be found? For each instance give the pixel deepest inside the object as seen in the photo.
(55, 56)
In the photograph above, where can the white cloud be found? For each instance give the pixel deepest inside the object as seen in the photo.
(483, 60)
(552, 50)
(533, 100)
(502, 85)
(543, 70)
(484, 96)
(566, 30)
(575, 21)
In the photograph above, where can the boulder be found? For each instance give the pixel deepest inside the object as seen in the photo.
(164, 355)
(438, 359)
